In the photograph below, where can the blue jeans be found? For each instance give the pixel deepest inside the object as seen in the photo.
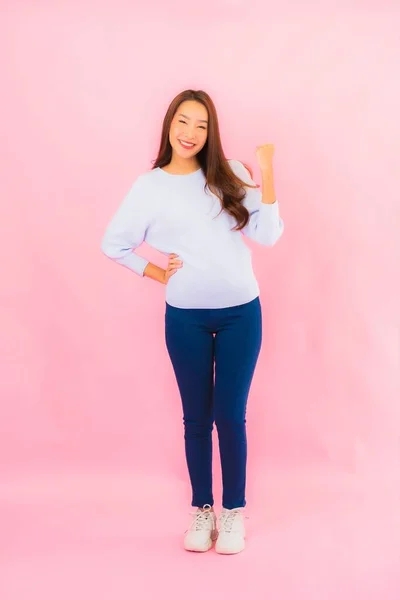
(214, 353)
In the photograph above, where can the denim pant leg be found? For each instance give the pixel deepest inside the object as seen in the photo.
(237, 346)
(191, 349)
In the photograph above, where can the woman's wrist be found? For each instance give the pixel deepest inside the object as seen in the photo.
(156, 273)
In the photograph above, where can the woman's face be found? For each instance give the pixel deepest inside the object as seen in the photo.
(190, 124)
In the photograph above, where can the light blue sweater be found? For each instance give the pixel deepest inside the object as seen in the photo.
(174, 214)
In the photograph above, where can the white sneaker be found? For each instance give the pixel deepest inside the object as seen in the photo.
(231, 532)
(202, 531)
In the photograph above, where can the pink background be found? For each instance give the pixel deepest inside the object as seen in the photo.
(93, 487)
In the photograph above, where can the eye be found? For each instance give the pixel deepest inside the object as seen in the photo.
(202, 127)
(180, 121)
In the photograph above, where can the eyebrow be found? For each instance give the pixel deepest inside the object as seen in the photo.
(186, 117)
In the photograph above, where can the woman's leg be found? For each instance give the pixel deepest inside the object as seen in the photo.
(237, 347)
(191, 349)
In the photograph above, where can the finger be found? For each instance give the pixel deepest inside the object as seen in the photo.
(175, 263)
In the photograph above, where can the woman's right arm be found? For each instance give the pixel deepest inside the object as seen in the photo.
(127, 231)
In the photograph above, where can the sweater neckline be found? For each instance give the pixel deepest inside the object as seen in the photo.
(179, 175)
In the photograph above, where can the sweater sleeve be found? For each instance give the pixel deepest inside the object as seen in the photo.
(265, 225)
(127, 229)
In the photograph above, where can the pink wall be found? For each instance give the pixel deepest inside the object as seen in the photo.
(85, 86)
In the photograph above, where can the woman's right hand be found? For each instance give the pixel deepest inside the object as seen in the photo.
(174, 263)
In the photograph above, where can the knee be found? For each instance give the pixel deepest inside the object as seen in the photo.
(197, 429)
(230, 426)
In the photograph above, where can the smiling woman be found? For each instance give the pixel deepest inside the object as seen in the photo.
(188, 131)
(194, 205)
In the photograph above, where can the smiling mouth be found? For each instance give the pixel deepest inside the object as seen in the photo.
(185, 145)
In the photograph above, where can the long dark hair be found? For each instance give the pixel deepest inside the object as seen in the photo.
(219, 176)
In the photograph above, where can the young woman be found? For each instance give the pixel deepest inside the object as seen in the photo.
(194, 206)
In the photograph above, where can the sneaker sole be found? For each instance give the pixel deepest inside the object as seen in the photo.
(226, 551)
(210, 543)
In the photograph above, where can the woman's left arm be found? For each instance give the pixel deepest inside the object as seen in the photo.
(264, 158)
(265, 225)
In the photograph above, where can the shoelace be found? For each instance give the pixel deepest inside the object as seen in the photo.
(201, 520)
(228, 518)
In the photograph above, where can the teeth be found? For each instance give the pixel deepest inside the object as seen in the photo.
(186, 144)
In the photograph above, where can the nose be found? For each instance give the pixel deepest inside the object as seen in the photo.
(189, 134)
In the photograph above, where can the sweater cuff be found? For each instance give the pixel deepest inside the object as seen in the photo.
(270, 211)
(135, 263)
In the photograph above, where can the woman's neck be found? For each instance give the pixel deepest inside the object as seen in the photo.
(182, 167)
